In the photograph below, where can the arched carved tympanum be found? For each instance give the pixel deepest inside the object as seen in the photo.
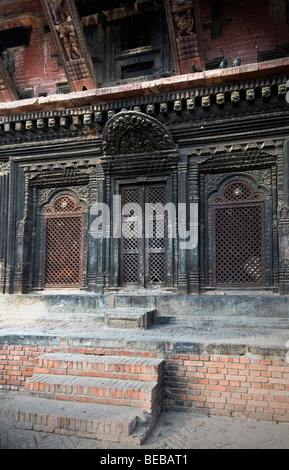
(132, 132)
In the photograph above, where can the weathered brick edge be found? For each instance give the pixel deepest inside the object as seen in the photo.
(216, 385)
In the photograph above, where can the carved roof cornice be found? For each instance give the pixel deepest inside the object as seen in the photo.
(251, 75)
(50, 118)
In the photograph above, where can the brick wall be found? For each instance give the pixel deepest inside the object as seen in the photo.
(228, 386)
(256, 26)
(34, 66)
(219, 385)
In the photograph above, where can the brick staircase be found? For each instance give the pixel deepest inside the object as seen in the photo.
(112, 398)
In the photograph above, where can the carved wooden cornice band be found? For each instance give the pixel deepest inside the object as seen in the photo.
(184, 106)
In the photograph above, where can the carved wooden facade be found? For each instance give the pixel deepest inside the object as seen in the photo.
(217, 146)
(235, 184)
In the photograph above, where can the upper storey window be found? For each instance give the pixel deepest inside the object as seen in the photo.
(14, 37)
(136, 32)
(128, 44)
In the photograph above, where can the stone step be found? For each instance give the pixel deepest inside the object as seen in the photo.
(104, 422)
(114, 367)
(95, 390)
(142, 318)
(234, 321)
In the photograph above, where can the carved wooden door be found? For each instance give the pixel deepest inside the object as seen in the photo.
(144, 242)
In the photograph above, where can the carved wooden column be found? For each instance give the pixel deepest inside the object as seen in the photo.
(27, 236)
(4, 191)
(185, 35)
(194, 276)
(22, 259)
(65, 25)
(182, 199)
(7, 88)
(202, 233)
(33, 235)
(10, 231)
(283, 227)
(16, 227)
(108, 197)
(96, 277)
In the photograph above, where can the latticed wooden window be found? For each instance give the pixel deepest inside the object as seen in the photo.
(64, 226)
(238, 237)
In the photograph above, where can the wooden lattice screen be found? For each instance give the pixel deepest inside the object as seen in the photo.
(64, 226)
(238, 234)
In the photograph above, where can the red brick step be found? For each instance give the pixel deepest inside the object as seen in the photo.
(103, 422)
(94, 390)
(114, 398)
(119, 367)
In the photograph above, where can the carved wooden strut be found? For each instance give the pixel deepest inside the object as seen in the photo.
(66, 28)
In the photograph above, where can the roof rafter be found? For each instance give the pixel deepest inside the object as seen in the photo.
(7, 89)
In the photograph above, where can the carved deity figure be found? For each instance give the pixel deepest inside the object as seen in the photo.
(65, 28)
(67, 33)
(185, 23)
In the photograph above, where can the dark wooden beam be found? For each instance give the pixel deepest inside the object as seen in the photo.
(172, 33)
(199, 31)
(7, 88)
(185, 34)
(119, 13)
